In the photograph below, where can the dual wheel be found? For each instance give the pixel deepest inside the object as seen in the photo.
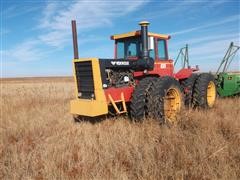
(199, 90)
(162, 98)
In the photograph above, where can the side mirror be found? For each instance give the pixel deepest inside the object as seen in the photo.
(150, 43)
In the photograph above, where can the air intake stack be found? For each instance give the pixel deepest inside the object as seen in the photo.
(75, 42)
(144, 36)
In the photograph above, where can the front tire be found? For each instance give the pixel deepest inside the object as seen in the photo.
(140, 104)
(168, 99)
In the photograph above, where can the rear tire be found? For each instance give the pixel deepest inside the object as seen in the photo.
(167, 99)
(188, 85)
(204, 94)
(139, 104)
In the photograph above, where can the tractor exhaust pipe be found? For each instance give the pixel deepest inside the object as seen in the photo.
(144, 36)
(75, 42)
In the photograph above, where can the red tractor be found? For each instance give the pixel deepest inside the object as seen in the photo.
(139, 80)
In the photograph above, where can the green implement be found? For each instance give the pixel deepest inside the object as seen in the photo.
(228, 83)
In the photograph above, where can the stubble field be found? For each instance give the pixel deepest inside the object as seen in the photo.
(39, 139)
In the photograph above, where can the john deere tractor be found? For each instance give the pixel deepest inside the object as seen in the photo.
(139, 80)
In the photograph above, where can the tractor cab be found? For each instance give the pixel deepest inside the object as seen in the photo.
(129, 46)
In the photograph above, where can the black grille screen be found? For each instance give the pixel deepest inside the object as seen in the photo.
(84, 76)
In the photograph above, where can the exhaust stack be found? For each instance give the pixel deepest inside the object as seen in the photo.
(144, 36)
(75, 42)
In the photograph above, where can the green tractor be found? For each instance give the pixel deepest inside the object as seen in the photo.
(228, 83)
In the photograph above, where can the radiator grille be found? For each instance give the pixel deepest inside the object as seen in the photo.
(84, 76)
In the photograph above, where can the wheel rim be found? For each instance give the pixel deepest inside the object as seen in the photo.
(211, 93)
(172, 104)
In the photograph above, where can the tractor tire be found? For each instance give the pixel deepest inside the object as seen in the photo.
(188, 86)
(139, 103)
(204, 94)
(167, 99)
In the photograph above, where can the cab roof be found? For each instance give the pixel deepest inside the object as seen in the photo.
(138, 33)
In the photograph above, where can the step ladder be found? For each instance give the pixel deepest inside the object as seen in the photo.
(114, 103)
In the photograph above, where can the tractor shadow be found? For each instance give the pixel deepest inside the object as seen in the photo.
(92, 120)
(98, 119)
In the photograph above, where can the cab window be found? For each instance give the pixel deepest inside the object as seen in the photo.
(132, 49)
(120, 50)
(152, 54)
(162, 49)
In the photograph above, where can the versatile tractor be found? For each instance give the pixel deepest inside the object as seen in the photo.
(139, 80)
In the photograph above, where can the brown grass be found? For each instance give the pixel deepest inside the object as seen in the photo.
(39, 140)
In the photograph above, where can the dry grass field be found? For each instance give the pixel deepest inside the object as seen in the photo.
(39, 139)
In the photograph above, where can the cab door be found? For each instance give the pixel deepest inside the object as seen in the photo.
(163, 64)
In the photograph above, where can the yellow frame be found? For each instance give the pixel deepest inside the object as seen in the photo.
(90, 107)
(137, 33)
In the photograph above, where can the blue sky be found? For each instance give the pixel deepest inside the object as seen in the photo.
(36, 35)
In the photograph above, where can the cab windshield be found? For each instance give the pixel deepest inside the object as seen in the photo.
(129, 48)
